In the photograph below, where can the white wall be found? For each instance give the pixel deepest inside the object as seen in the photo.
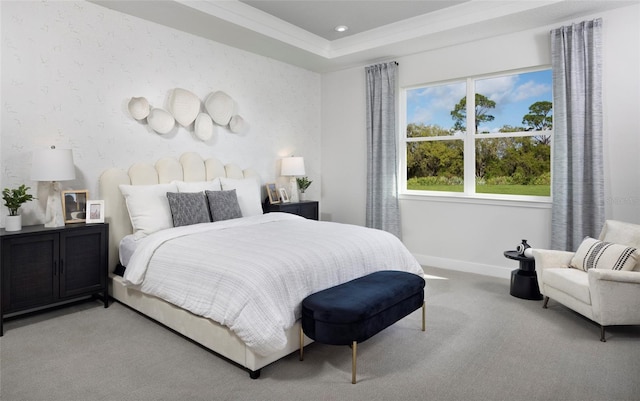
(472, 236)
(344, 147)
(70, 68)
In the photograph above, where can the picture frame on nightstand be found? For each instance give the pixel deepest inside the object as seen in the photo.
(284, 196)
(74, 206)
(272, 191)
(95, 211)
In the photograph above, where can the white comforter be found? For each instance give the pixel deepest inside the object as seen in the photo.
(251, 274)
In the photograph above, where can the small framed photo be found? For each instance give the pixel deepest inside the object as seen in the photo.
(95, 211)
(272, 191)
(74, 205)
(284, 196)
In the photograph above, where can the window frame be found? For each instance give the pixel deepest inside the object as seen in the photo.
(469, 193)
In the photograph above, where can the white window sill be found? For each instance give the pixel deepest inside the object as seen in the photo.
(534, 202)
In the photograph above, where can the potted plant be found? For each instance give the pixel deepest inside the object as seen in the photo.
(303, 184)
(13, 199)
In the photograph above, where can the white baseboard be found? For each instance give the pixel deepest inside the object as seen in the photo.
(464, 266)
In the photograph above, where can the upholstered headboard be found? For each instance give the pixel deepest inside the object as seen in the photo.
(191, 167)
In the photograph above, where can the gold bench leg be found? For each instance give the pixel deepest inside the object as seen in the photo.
(423, 315)
(354, 348)
(301, 344)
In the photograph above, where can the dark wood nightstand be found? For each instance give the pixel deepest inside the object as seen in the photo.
(41, 267)
(307, 209)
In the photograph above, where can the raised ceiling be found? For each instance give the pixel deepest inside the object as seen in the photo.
(300, 32)
(321, 17)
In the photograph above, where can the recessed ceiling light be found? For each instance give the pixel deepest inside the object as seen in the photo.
(341, 28)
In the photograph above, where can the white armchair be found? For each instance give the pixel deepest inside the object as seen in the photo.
(608, 297)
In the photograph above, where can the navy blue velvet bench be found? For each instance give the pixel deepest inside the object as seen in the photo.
(355, 311)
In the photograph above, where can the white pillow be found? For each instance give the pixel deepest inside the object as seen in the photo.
(595, 254)
(248, 192)
(199, 186)
(148, 207)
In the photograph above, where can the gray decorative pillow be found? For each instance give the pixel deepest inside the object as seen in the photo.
(188, 208)
(223, 205)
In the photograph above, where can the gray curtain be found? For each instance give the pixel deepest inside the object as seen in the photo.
(578, 176)
(383, 211)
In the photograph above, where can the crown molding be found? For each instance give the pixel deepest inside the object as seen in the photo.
(471, 12)
(241, 14)
(458, 16)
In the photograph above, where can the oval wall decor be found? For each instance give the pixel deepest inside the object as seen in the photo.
(184, 106)
(237, 125)
(220, 107)
(161, 121)
(139, 108)
(204, 127)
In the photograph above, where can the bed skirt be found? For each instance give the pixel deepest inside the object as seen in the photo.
(203, 331)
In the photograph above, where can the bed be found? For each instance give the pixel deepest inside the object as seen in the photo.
(257, 258)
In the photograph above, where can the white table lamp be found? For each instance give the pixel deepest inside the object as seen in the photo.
(53, 165)
(293, 167)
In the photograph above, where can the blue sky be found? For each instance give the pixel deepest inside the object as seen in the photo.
(513, 95)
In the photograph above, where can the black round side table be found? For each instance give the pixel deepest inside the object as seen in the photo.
(524, 281)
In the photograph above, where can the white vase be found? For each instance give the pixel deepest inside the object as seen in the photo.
(13, 223)
(303, 196)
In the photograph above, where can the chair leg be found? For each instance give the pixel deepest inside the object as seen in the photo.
(546, 300)
(604, 340)
(354, 348)
(423, 316)
(301, 344)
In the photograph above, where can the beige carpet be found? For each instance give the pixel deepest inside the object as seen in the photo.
(480, 344)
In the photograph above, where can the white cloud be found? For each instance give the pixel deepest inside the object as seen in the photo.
(529, 89)
(497, 89)
(421, 115)
(442, 97)
(508, 89)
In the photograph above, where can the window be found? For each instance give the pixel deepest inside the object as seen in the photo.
(483, 135)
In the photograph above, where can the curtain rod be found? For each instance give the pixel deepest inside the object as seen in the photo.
(394, 62)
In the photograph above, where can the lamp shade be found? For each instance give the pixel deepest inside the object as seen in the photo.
(292, 166)
(52, 165)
